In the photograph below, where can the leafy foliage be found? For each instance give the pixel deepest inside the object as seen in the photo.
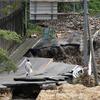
(67, 7)
(94, 6)
(34, 29)
(15, 5)
(9, 7)
(5, 63)
(3, 55)
(10, 35)
(6, 10)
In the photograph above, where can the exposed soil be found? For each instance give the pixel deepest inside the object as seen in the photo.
(71, 92)
(5, 94)
(73, 55)
(67, 23)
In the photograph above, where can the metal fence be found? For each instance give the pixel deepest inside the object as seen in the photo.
(14, 22)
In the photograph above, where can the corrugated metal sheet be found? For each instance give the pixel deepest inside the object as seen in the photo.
(43, 10)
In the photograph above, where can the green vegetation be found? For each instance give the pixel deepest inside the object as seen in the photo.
(94, 7)
(10, 35)
(67, 7)
(5, 63)
(15, 5)
(34, 29)
(6, 10)
(9, 7)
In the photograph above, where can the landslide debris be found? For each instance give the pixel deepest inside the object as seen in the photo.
(71, 92)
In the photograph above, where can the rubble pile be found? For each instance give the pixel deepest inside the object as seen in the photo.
(71, 28)
(70, 92)
(5, 94)
(71, 22)
(73, 56)
(85, 80)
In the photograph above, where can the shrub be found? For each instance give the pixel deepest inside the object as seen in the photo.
(10, 35)
(9, 7)
(34, 29)
(5, 63)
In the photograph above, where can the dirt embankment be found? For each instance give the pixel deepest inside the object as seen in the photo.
(68, 23)
(71, 92)
(5, 94)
